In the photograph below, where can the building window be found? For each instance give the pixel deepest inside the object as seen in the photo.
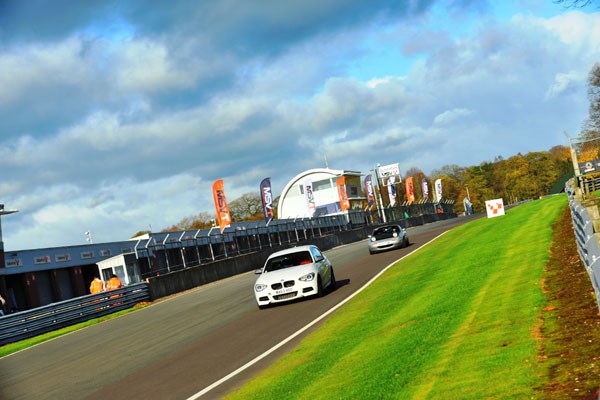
(322, 185)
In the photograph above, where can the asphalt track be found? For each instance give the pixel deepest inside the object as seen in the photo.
(177, 347)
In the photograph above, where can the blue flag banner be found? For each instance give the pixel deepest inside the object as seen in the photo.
(267, 199)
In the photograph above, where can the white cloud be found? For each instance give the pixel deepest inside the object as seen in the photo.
(564, 82)
(448, 117)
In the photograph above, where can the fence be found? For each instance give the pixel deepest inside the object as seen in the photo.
(587, 244)
(173, 251)
(26, 324)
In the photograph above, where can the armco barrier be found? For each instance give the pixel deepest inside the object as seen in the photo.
(587, 244)
(26, 324)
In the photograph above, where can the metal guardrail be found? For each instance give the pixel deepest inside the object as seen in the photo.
(26, 324)
(587, 244)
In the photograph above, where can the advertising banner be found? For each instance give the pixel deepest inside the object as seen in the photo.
(589, 167)
(438, 190)
(389, 170)
(425, 187)
(266, 197)
(495, 208)
(410, 190)
(310, 198)
(369, 190)
(391, 184)
(341, 186)
(223, 216)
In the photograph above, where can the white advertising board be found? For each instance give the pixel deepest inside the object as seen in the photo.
(495, 208)
(389, 170)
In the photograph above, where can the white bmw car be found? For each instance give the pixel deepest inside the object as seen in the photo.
(293, 273)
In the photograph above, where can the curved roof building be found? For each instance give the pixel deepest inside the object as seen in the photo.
(294, 202)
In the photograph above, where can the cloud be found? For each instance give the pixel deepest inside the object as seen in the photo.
(565, 82)
(123, 115)
(448, 117)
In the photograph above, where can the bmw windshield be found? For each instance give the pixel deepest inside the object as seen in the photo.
(288, 260)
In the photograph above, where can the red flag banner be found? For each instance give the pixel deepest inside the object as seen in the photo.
(410, 190)
(221, 206)
(341, 186)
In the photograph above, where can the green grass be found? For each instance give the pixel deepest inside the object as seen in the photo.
(454, 320)
(23, 344)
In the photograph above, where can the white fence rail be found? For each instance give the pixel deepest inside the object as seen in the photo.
(587, 244)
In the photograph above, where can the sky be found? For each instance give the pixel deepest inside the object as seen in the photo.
(118, 116)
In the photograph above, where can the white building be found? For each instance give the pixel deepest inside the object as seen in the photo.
(293, 202)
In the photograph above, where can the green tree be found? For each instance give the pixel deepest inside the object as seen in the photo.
(247, 207)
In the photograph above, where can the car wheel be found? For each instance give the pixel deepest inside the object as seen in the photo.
(406, 242)
(333, 283)
(319, 287)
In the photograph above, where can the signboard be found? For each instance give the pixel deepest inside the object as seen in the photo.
(62, 257)
(389, 170)
(14, 262)
(495, 208)
(589, 166)
(41, 260)
(86, 254)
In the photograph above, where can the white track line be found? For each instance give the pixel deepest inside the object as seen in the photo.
(299, 332)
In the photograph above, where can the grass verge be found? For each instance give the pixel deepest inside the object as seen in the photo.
(454, 320)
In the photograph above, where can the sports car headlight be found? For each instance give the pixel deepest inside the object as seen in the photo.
(373, 239)
(307, 277)
(259, 287)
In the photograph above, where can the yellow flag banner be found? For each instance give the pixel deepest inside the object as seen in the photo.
(221, 206)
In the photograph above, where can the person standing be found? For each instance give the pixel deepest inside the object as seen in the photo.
(113, 283)
(96, 286)
(2, 303)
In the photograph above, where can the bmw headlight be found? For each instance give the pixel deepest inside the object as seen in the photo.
(307, 277)
(259, 287)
